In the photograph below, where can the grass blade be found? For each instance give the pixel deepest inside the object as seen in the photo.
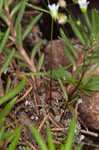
(68, 43)
(69, 56)
(70, 137)
(31, 25)
(35, 48)
(13, 92)
(76, 30)
(38, 138)
(37, 73)
(7, 62)
(8, 108)
(4, 40)
(13, 144)
(51, 145)
(1, 5)
(38, 8)
(20, 14)
(15, 9)
(2, 120)
(40, 62)
(19, 36)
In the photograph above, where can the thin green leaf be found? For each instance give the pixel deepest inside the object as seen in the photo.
(8, 135)
(13, 144)
(4, 40)
(15, 55)
(37, 73)
(15, 8)
(93, 84)
(68, 43)
(27, 148)
(51, 145)
(40, 62)
(84, 34)
(90, 74)
(1, 134)
(3, 16)
(19, 36)
(63, 89)
(7, 62)
(7, 2)
(70, 137)
(61, 73)
(36, 48)
(38, 8)
(87, 20)
(13, 92)
(1, 5)
(76, 30)
(2, 120)
(20, 13)
(69, 56)
(8, 108)
(31, 25)
(95, 22)
(38, 138)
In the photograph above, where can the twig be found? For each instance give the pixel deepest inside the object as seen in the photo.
(89, 133)
(43, 121)
(22, 98)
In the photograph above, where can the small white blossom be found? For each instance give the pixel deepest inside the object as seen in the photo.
(83, 5)
(79, 101)
(82, 137)
(54, 10)
(61, 18)
(27, 103)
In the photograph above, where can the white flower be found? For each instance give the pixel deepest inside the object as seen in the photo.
(54, 10)
(79, 101)
(61, 18)
(83, 5)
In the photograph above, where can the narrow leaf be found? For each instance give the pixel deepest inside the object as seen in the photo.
(7, 62)
(15, 8)
(40, 62)
(69, 56)
(70, 137)
(1, 5)
(68, 43)
(13, 92)
(38, 138)
(4, 40)
(2, 120)
(38, 8)
(31, 25)
(13, 144)
(7, 108)
(76, 30)
(51, 145)
(19, 36)
(36, 48)
(20, 13)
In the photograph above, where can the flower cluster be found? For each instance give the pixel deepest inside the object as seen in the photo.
(60, 17)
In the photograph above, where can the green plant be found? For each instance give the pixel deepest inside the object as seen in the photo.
(10, 136)
(67, 144)
(14, 33)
